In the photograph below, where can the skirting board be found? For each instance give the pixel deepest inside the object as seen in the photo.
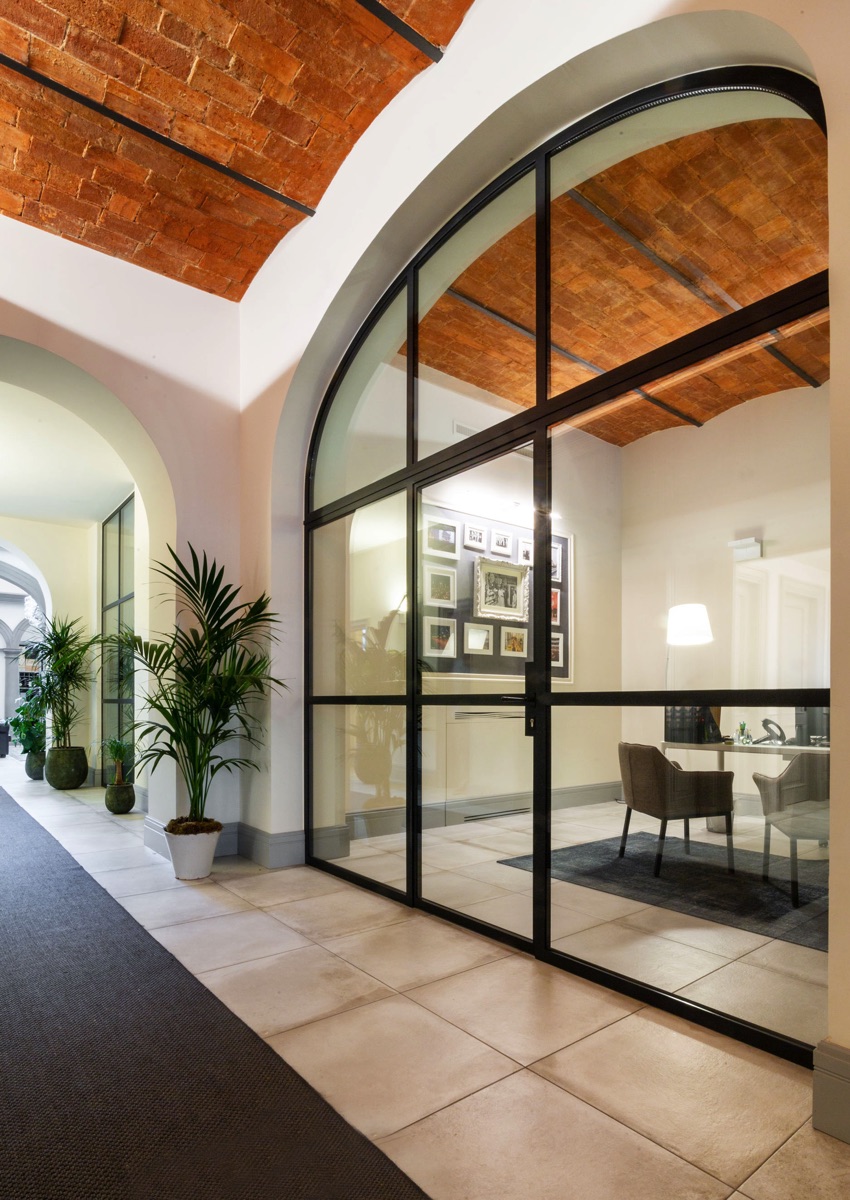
(831, 1090)
(268, 849)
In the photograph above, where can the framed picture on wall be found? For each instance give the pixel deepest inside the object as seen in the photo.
(474, 537)
(526, 551)
(557, 566)
(514, 642)
(501, 589)
(440, 585)
(501, 543)
(440, 537)
(555, 605)
(477, 639)
(439, 637)
(557, 650)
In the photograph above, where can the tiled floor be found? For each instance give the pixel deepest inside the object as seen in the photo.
(484, 1074)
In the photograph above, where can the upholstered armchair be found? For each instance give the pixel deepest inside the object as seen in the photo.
(660, 788)
(797, 804)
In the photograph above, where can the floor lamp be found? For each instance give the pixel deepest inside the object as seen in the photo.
(687, 625)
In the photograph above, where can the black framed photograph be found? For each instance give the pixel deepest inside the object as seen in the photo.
(514, 642)
(440, 537)
(501, 589)
(477, 639)
(440, 585)
(475, 537)
(501, 543)
(439, 637)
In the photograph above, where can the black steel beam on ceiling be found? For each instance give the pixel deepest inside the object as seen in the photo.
(397, 25)
(152, 135)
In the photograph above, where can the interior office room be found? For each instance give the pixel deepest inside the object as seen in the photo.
(513, 371)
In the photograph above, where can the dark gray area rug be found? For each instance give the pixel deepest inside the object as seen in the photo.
(699, 885)
(122, 1076)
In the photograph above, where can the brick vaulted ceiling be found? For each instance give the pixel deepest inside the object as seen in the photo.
(275, 91)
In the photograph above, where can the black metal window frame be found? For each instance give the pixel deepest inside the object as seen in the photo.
(123, 703)
(534, 426)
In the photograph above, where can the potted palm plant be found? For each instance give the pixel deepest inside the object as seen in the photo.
(62, 653)
(28, 730)
(120, 796)
(203, 682)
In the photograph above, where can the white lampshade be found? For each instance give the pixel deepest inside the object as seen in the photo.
(688, 625)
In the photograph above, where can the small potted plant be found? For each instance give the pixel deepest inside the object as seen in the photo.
(62, 654)
(202, 683)
(28, 730)
(120, 796)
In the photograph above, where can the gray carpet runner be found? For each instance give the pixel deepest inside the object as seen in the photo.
(121, 1076)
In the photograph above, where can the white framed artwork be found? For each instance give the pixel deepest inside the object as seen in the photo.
(440, 585)
(501, 543)
(439, 636)
(474, 537)
(477, 639)
(514, 642)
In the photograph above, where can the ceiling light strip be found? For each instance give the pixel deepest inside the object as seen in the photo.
(160, 138)
(568, 354)
(402, 28)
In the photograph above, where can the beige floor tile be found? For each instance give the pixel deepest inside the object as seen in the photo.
(523, 1008)
(525, 1139)
(176, 905)
(224, 941)
(694, 931)
(233, 866)
(93, 836)
(290, 883)
(383, 868)
(363, 1062)
(718, 1104)
(331, 916)
(453, 890)
(800, 962)
(507, 843)
(136, 881)
(810, 1164)
(417, 951)
(119, 860)
(591, 901)
(511, 911)
(507, 878)
(789, 1006)
(456, 854)
(651, 959)
(284, 990)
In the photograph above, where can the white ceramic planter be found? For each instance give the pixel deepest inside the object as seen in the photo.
(192, 853)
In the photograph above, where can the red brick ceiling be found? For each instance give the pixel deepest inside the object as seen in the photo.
(651, 249)
(276, 91)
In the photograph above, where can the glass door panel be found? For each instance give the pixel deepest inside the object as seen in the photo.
(477, 813)
(475, 570)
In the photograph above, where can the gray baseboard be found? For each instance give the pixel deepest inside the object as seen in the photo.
(271, 849)
(831, 1090)
(334, 841)
(155, 837)
(379, 821)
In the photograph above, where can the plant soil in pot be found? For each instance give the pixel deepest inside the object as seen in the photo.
(66, 767)
(191, 845)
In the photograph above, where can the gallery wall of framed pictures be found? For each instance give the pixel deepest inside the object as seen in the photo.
(476, 579)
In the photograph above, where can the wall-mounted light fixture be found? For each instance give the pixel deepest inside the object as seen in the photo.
(745, 548)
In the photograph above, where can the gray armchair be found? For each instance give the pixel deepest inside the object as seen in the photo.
(797, 804)
(660, 788)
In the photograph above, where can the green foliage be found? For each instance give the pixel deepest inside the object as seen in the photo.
(371, 668)
(28, 724)
(203, 680)
(120, 754)
(63, 654)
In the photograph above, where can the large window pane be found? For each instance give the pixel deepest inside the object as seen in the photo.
(477, 323)
(365, 434)
(359, 789)
(360, 602)
(111, 560)
(687, 928)
(128, 543)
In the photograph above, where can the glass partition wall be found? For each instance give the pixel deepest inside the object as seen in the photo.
(568, 564)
